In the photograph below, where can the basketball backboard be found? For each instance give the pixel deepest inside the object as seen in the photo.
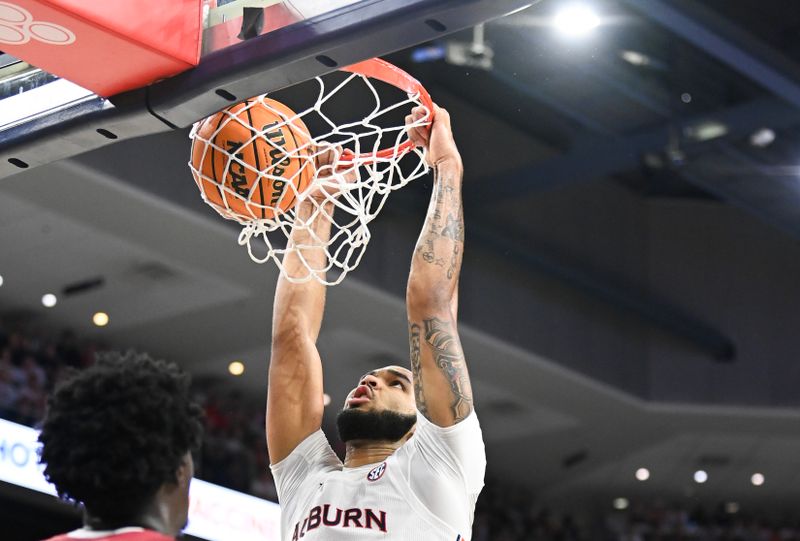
(229, 22)
(226, 23)
(249, 47)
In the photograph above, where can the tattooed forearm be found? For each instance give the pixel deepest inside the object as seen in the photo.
(454, 263)
(449, 359)
(454, 228)
(443, 234)
(413, 340)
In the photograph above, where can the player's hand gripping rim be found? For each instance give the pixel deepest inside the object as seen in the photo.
(331, 177)
(436, 138)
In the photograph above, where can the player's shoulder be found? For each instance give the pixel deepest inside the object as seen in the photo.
(138, 535)
(469, 425)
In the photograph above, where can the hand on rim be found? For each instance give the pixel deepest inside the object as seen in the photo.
(436, 138)
(331, 178)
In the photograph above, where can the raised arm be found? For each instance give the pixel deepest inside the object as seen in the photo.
(295, 391)
(441, 380)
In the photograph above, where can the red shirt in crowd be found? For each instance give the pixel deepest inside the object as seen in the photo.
(123, 534)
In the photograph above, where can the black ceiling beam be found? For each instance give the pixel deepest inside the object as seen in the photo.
(726, 42)
(601, 156)
(775, 201)
(732, 175)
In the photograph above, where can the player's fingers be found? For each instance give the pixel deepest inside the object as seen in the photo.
(419, 112)
(330, 155)
(418, 136)
(442, 116)
(441, 122)
(320, 156)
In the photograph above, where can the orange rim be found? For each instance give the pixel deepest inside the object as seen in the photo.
(382, 70)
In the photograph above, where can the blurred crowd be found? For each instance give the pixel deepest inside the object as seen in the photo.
(234, 452)
(509, 513)
(234, 455)
(506, 513)
(30, 367)
(645, 522)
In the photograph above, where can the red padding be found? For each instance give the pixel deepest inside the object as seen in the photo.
(105, 46)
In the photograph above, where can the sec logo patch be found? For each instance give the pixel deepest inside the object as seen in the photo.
(376, 472)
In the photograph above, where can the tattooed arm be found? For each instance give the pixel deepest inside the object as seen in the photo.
(441, 380)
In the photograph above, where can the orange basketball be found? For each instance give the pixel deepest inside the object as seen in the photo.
(250, 162)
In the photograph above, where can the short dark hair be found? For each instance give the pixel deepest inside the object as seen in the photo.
(117, 431)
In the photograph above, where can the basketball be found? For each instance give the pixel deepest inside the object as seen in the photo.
(252, 160)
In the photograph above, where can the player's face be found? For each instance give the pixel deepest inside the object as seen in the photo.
(388, 388)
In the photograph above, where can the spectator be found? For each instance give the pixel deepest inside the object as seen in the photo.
(8, 392)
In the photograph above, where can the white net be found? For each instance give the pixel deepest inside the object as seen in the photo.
(365, 160)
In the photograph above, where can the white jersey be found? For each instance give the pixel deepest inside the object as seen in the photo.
(424, 491)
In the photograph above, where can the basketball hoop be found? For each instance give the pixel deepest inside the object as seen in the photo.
(376, 156)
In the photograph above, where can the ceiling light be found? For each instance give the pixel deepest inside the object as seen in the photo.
(705, 131)
(326, 399)
(731, 508)
(1, 280)
(643, 474)
(700, 476)
(762, 138)
(635, 58)
(620, 503)
(100, 319)
(576, 20)
(236, 368)
(686, 97)
(49, 300)
(757, 479)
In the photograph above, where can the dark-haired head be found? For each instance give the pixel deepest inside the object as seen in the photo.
(118, 438)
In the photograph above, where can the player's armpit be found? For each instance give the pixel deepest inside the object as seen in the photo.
(441, 380)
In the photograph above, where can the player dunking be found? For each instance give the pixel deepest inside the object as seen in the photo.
(118, 439)
(415, 460)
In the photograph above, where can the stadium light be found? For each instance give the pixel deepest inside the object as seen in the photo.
(100, 319)
(635, 58)
(236, 368)
(763, 138)
(576, 20)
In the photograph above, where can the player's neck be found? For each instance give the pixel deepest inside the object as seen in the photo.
(151, 517)
(360, 452)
